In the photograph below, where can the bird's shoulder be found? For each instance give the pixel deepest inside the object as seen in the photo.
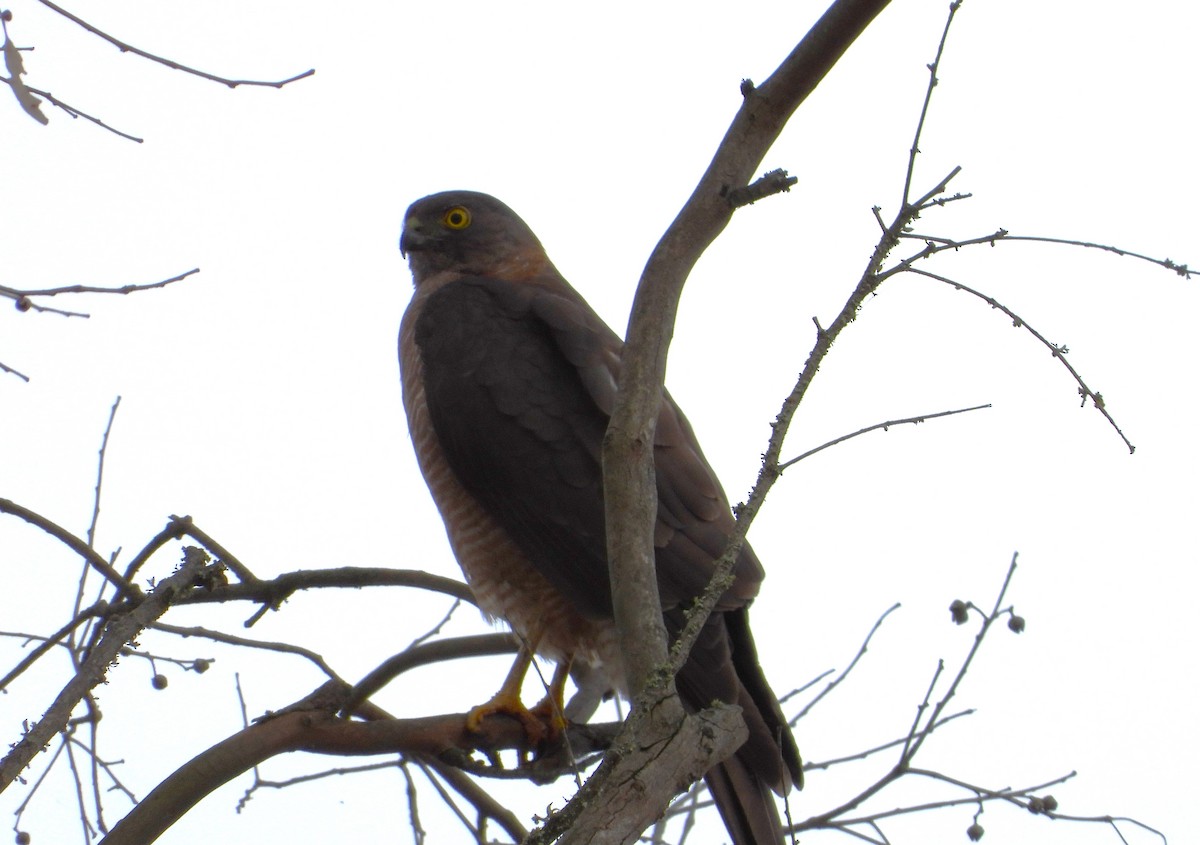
(534, 328)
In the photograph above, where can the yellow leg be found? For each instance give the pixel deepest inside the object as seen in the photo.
(507, 701)
(550, 709)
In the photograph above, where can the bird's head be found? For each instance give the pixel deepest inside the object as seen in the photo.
(470, 233)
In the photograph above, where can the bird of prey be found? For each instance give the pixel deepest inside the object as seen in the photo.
(509, 378)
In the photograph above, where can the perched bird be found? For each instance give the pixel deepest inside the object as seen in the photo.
(509, 378)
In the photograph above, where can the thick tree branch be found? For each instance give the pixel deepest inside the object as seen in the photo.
(628, 459)
(628, 454)
(312, 725)
(654, 758)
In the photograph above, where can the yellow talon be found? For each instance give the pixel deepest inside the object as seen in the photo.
(544, 722)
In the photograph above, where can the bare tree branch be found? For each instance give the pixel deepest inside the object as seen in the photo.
(480, 645)
(76, 113)
(129, 48)
(91, 534)
(883, 425)
(628, 461)
(487, 806)
(915, 149)
(659, 747)
(1059, 352)
(24, 301)
(862, 650)
(4, 368)
(245, 642)
(1178, 269)
(311, 725)
(47, 643)
(73, 543)
(117, 633)
(628, 456)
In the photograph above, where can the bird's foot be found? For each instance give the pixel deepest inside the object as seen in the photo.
(549, 712)
(538, 730)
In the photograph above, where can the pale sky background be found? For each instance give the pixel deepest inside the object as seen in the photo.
(262, 395)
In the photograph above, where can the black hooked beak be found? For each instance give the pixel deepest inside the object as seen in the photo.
(411, 238)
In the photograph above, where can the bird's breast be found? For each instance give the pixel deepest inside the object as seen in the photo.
(505, 584)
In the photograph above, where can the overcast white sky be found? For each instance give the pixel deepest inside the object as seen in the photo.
(262, 395)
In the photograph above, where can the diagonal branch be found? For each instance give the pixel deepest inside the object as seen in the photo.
(868, 283)
(862, 650)
(74, 112)
(117, 634)
(72, 542)
(1059, 352)
(628, 459)
(883, 425)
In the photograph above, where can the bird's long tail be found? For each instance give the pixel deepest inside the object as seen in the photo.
(747, 805)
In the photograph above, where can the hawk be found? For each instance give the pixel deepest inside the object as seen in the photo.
(509, 378)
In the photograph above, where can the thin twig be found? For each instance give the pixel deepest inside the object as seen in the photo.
(4, 368)
(436, 629)
(883, 425)
(118, 633)
(410, 793)
(15, 293)
(878, 749)
(91, 534)
(107, 767)
(916, 731)
(129, 48)
(89, 832)
(245, 642)
(935, 244)
(325, 773)
(74, 112)
(448, 800)
(981, 794)
(927, 720)
(862, 650)
(72, 542)
(770, 470)
(1059, 352)
(487, 806)
(911, 749)
(915, 149)
(1178, 269)
(812, 682)
(47, 643)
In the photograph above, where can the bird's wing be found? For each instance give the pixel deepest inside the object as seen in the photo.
(520, 380)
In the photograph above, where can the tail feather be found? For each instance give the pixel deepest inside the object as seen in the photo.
(723, 666)
(746, 804)
(774, 740)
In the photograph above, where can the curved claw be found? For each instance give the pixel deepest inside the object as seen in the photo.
(502, 703)
(544, 723)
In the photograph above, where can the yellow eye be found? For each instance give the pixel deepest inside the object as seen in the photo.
(457, 218)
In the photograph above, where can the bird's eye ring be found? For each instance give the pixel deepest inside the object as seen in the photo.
(457, 218)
